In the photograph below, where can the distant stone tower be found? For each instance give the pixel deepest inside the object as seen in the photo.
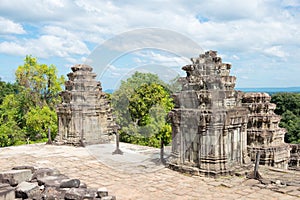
(263, 132)
(209, 124)
(84, 116)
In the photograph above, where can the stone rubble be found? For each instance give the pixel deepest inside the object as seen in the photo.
(27, 182)
(14, 177)
(26, 190)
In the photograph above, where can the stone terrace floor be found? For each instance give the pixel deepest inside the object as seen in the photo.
(137, 178)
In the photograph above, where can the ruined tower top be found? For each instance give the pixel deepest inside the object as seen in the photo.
(209, 79)
(81, 67)
(206, 65)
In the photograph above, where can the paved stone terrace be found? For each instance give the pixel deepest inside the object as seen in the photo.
(77, 162)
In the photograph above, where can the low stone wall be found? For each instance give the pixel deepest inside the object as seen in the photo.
(27, 182)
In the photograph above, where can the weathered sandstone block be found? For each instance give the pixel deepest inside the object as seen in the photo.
(14, 177)
(7, 192)
(27, 190)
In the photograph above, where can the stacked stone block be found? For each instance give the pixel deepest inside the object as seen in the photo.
(84, 116)
(28, 182)
(263, 131)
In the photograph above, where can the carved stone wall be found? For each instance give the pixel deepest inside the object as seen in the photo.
(263, 131)
(209, 123)
(84, 114)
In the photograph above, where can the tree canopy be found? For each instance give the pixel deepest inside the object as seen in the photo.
(288, 106)
(27, 107)
(39, 81)
(141, 105)
(6, 89)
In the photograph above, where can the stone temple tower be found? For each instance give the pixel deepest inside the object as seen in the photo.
(84, 116)
(209, 123)
(263, 131)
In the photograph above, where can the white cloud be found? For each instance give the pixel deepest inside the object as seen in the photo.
(7, 26)
(231, 24)
(235, 57)
(12, 48)
(220, 10)
(35, 11)
(45, 46)
(294, 3)
(162, 58)
(241, 30)
(276, 51)
(116, 72)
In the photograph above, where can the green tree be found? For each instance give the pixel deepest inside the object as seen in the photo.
(141, 105)
(39, 82)
(10, 132)
(144, 98)
(6, 89)
(120, 98)
(29, 110)
(148, 107)
(38, 120)
(288, 106)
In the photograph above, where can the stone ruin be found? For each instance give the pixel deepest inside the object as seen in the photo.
(84, 116)
(209, 123)
(264, 133)
(28, 182)
(217, 130)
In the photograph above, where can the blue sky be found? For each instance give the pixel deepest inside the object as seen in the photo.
(261, 39)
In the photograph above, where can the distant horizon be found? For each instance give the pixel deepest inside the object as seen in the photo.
(265, 87)
(258, 89)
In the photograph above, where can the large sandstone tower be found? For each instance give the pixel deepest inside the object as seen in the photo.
(84, 116)
(209, 123)
(216, 129)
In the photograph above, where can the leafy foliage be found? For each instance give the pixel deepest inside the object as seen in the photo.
(144, 98)
(39, 81)
(288, 106)
(141, 105)
(38, 120)
(9, 129)
(7, 88)
(27, 109)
